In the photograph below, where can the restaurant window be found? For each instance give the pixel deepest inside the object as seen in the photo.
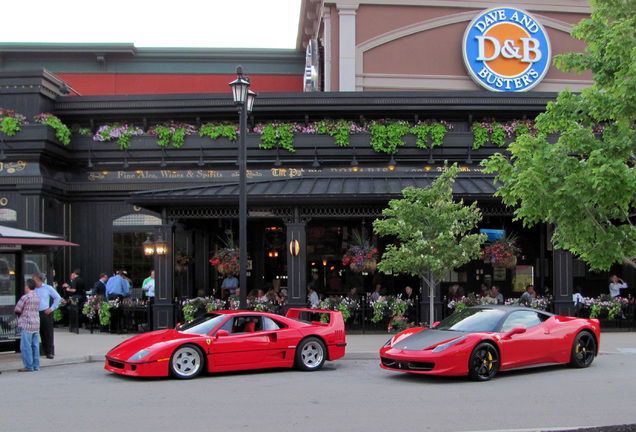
(8, 215)
(130, 231)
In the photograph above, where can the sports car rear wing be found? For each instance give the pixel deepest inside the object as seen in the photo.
(335, 317)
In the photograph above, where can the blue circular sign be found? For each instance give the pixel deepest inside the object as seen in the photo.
(506, 50)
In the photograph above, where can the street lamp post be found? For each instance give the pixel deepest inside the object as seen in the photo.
(244, 100)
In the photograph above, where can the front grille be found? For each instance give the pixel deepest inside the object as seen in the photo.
(115, 364)
(407, 365)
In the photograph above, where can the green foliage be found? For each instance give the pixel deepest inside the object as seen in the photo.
(193, 307)
(10, 121)
(172, 132)
(62, 132)
(386, 136)
(104, 312)
(432, 232)
(498, 135)
(481, 135)
(340, 130)
(436, 130)
(123, 133)
(278, 134)
(584, 186)
(215, 130)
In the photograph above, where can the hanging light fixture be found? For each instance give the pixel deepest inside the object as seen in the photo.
(392, 163)
(163, 163)
(161, 246)
(354, 163)
(149, 247)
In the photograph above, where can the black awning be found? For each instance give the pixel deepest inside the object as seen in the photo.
(311, 190)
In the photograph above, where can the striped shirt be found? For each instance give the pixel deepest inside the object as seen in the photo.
(27, 307)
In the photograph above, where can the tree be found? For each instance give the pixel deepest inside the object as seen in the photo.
(583, 184)
(432, 232)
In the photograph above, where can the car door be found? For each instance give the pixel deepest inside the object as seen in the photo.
(244, 347)
(283, 341)
(534, 346)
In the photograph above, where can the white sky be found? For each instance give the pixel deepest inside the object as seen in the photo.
(147, 23)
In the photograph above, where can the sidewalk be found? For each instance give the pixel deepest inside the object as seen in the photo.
(86, 347)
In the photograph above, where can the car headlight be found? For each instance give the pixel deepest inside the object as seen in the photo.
(443, 346)
(389, 342)
(140, 354)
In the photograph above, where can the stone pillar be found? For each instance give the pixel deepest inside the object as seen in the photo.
(296, 264)
(347, 36)
(163, 309)
(563, 283)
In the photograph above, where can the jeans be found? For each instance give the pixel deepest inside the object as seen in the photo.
(30, 349)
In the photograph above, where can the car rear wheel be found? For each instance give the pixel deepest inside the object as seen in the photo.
(186, 362)
(310, 354)
(583, 350)
(484, 362)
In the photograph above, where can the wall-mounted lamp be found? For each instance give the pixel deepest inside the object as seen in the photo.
(294, 247)
(354, 164)
(316, 163)
(126, 164)
(149, 247)
(161, 246)
(324, 262)
(273, 254)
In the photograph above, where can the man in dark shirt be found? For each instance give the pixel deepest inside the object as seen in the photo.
(76, 289)
(99, 287)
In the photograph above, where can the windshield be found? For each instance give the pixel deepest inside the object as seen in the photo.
(473, 320)
(203, 324)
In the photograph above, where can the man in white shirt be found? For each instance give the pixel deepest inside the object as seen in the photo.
(615, 287)
(149, 287)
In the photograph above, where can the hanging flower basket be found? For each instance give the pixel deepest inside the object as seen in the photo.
(229, 268)
(506, 262)
(182, 261)
(367, 266)
(361, 255)
(502, 253)
(226, 259)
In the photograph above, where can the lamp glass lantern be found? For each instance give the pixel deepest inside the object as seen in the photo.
(161, 246)
(240, 89)
(149, 247)
(250, 99)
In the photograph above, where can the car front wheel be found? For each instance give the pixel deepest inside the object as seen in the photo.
(186, 362)
(583, 350)
(484, 362)
(310, 354)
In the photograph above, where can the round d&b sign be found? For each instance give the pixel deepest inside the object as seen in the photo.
(506, 49)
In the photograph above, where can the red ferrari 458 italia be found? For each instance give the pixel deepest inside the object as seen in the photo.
(482, 340)
(231, 341)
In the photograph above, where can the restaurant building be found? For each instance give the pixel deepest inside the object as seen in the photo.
(452, 63)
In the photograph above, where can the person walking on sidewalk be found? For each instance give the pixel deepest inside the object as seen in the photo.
(29, 322)
(46, 293)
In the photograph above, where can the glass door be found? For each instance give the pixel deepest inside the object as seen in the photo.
(8, 297)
